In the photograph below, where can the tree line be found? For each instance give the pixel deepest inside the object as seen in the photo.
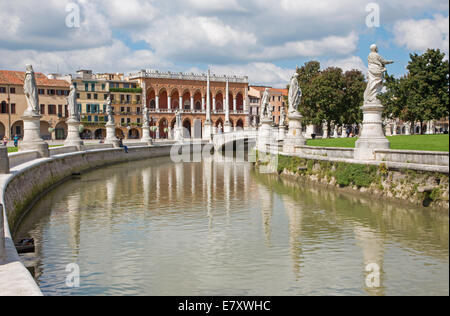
(334, 97)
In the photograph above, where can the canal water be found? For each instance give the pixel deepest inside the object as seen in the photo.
(219, 228)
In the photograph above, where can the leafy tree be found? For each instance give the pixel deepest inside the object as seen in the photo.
(422, 94)
(355, 85)
(324, 98)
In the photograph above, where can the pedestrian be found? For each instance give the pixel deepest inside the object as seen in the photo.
(16, 141)
(121, 145)
(5, 141)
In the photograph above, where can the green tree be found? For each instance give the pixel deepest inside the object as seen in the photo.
(355, 85)
(422, 94)
(324, 98)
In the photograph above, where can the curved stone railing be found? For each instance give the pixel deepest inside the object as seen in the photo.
(414, 157)
(31, 177)
(19, 158)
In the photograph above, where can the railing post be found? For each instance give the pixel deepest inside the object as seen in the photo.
(4, 160)
(2, 236)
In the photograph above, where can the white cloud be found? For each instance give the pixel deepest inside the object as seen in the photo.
(240, 37)
(258, 73)
(422, 34)
(348, 63)
(116, 57)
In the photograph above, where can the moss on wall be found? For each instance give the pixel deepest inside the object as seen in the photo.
(428, 189)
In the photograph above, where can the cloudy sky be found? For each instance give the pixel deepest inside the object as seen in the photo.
(264, 39)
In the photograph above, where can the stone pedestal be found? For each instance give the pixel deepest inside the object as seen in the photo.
(207, 131)
(310, 130)
(146, 135)
(336, 132)
(294, 137)
(265, 135)
(407, 129)
(325, 131)
(282, 132)
(388, 130)
(227, 128)
(111, 135)
(178, 134)
(32, 136)
(372, 136)
(73, 134)
(4, 161)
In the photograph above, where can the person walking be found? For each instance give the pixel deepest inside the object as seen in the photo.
(16, 141)
(5, 141)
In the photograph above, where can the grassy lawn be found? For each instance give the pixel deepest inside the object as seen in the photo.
(14, 149)
(413, 142)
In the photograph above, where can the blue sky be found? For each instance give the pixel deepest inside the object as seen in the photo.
(263, 39)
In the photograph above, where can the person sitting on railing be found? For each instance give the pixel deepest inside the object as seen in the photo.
(121, 145)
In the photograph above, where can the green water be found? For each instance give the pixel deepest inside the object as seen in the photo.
(213, 228)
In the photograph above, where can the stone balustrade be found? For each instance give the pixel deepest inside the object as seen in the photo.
(413, 157)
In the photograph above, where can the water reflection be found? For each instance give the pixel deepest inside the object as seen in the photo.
(218, 228)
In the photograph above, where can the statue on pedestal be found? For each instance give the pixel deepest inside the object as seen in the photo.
(295, 95)
(72, 105)
(265, 102)
(146, 117)
(377, 67)
(109, 111)
(282, 117)
(31, 92)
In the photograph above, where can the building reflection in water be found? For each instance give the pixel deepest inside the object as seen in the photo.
(303, 228)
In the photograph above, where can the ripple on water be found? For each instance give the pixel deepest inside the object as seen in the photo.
(154, 228)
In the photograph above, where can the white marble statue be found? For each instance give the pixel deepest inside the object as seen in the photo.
(377, 67)
(282, 117)
(72, 105)
(31, 92)
(295, 95)
(109, 111)
(146, 117)
(265, 102)
(178, 123)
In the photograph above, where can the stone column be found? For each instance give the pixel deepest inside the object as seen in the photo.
(207, 132)
(407, 129)
(388, 131)
(180, 105)
(157, 103)
(227, 128)
(294, 137)
(169, 103)
(214, 105)
(32, 135)
(192, 104)
(73, 134)
(395, 129)
(281, 132)
(372, 136)
(310, 129)
(234, 105)
(203, 104)
(336, 132)
(325, 131)
(111, 134)
(4, 164)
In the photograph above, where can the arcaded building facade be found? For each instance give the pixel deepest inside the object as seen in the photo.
(165, 93)
(52, 98)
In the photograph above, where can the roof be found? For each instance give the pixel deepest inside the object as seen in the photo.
(17, 78)
(271, 90)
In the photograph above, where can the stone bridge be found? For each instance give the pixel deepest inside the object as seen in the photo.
(222, 140)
